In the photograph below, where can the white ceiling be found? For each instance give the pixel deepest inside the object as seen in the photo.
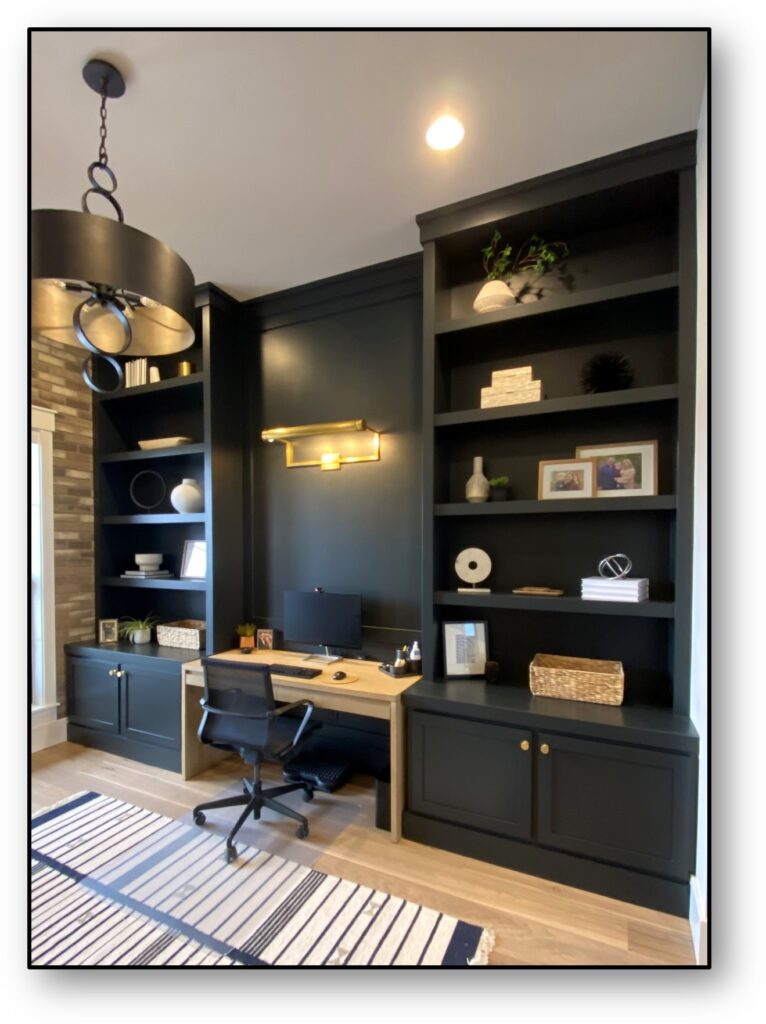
(270, 159)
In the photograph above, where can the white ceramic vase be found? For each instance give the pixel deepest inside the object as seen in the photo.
(477, 487)
(141, 636)
(187, 496)
(493, 295)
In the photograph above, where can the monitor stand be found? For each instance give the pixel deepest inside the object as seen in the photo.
(324, 659)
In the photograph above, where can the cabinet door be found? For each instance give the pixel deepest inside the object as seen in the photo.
(93, 699)
(151, 706)
(618, 803)
(471, 773)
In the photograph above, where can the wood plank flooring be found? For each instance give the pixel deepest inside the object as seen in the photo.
(536, 922)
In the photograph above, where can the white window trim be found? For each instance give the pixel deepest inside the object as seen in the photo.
(44, 707)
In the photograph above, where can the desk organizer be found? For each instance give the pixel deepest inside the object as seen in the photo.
(189, 633)
(585, 679)
(396, 675)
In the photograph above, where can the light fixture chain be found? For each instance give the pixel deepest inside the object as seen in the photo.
(102, 157)
(98, 188)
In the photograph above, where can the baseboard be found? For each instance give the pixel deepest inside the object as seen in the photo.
(48, 734)
(698, 921)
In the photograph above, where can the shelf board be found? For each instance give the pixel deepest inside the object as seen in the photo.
(160, 385)
(149, 518)
(154, 584)
(592, 296)
(574, 605)
(573, 403)
(155, 453)
(655, 503)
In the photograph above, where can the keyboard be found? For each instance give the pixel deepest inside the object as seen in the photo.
(295, 670)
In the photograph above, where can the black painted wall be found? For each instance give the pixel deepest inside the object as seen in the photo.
(344, 348)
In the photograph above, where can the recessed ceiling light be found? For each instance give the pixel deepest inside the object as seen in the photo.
(445, 133)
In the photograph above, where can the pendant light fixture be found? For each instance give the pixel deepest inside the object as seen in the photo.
(115, 289)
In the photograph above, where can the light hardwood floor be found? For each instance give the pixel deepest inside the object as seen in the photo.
(534, 921)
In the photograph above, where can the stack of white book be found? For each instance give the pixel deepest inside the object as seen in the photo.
(138, 371)
(144, 574)
(511, 387)
(599, 588)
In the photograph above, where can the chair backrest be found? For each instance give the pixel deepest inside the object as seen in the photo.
(239, 690)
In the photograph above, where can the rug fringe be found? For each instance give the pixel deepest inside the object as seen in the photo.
(483, 950)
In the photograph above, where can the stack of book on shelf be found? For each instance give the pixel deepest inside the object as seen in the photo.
(138, 371)
(145, 574)
(599, 588)
(511, 387)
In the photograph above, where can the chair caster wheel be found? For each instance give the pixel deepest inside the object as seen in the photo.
(308, 795)
(301, 832)
(199, 818)
(231, 852)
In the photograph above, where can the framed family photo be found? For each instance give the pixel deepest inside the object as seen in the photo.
(566, 478)
(264, 639)
(108, 631)
(465, 648)
(624, 470)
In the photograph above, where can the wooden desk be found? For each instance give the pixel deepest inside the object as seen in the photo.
(364, 691)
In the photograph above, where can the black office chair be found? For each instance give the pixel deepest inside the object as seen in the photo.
(241, 714)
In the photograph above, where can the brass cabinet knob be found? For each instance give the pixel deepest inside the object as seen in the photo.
(524, 744)
(112, 671)
(544, 748)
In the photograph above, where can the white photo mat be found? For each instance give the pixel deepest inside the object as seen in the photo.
(465, 648)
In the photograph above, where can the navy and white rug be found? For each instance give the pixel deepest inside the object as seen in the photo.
(116, 885)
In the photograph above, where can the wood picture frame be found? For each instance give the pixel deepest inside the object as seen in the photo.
(630, 465)
(566, 479)
(466, 649)
(108, 631)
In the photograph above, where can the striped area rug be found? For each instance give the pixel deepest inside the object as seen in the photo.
(116, 885)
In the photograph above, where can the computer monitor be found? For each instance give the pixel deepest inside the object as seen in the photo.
(323, 620)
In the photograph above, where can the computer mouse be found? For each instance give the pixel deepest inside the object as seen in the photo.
(339, 675)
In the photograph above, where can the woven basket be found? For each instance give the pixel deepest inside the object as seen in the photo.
(587, 679)
(188, 633)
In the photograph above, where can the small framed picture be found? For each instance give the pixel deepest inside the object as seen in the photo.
(108, 631)
(566, 478)
(194, 561)
(624, 470)
(465, 648)
(264, 639)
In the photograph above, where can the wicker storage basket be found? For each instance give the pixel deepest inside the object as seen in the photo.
(185, 633)
(588, 679)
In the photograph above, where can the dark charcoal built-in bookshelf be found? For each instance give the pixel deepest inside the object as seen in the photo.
(629, 284)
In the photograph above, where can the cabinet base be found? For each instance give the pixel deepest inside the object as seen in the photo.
(663, 894)
(160, 757)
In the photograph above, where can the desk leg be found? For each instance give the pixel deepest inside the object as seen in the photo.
(195, 756)
(398, 769)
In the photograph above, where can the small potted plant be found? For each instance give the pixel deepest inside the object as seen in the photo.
(246, 633)
(535, 256)
(137, 631)
(498, 488)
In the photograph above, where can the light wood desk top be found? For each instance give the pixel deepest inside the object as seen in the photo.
(365, 691)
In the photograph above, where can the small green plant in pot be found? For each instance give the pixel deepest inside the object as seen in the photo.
(535, 257)
(246, 633)
(137, 631)
(498, 488)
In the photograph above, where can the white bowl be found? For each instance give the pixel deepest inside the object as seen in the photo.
(148, 561)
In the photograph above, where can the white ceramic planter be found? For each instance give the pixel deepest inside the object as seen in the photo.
(477, 487)
(493, 295)
(187, 497)
(141, 636)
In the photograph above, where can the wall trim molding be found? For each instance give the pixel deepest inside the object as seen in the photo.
(698, 921)
(48, 734)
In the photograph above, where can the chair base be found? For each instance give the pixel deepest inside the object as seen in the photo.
(254, 799)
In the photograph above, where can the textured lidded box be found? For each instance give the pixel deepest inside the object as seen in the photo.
(586, 679)
(189, 633)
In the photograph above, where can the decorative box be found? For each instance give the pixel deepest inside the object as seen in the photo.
(586, 679)
(188, 633)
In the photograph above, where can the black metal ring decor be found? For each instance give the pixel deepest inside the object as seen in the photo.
(606, 371)
(87, 374)
(113, 307)
(148, 507)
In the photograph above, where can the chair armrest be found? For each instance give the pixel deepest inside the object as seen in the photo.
(291, 707)
(231, 714)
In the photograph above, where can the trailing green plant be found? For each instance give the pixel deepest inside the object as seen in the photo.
(129, 626)
(535, 256)
(499, 481)
(245, 629)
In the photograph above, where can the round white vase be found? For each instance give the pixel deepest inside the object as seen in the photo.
(477, 487)
(141, 636)
(493, 295)
(187, 496)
